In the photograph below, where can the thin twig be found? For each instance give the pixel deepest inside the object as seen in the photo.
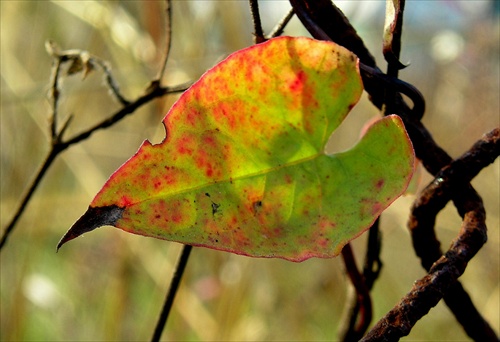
(61, 146)
(373, 264)
(168, 43)
(110, 80)
(27, 196)
(54, 96)
(172, 291)
(359, 315)
(280, 27)
(133, 106)
(258, 32)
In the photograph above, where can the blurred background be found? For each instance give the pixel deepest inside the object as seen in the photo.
(110, 285)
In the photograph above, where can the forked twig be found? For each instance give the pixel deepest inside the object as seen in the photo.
(80, 61)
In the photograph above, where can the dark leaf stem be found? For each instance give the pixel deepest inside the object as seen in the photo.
(172, 291)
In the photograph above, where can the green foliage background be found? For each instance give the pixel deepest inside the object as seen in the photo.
(110, 285)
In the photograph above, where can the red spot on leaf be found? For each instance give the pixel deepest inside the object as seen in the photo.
(184, 145)
(379, 184)
(125, 201)
(297, 85)
(192, 117)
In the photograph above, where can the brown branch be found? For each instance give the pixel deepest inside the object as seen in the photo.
(441, 281)
(258, 32)
(359, 313)
(422, 220)
(334, 24)
(429, 290)
(58, 146)
(280, 27)
(172, 291)
(168, 38)
(373, 263)
(322, 20)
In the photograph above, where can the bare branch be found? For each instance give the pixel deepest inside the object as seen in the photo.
(172, 291)
(258, 33)
(59, 146)
(429, 290)
(359, 314)
(168, 44)
(280, 27)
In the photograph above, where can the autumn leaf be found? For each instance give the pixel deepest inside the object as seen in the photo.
(243, 168)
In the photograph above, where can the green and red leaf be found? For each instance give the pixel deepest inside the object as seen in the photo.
(243, 168)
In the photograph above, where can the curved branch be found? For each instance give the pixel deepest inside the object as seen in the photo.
(168, 43)
(359, 315)
(422, 220)
(429, 290)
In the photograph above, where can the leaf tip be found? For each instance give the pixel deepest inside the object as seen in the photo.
(93, 218)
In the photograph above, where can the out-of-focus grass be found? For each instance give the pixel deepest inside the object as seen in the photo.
(110, 285)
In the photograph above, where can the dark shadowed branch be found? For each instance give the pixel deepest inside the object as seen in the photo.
(172, 291)
(257, 25)
(359, 310)
(325, 21)
(433, 198)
